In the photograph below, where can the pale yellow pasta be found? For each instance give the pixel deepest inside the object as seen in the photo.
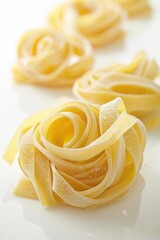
(98, 21)
(49, 58)
(134, 7)
(78, 154)
(134, 83)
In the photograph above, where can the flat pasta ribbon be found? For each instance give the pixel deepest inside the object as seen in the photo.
(78, 154)
(98, 21)
(133, 83)
(134, 7)
(49, 58)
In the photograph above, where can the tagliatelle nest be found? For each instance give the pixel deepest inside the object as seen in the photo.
(98, 21)
(134, 83)
(134, 7)
(78, 154)
(47, 57)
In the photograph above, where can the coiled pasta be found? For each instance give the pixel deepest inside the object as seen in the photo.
(134, 7)
(133, 83)
(78, 154)
(98, 21)
(47, 57)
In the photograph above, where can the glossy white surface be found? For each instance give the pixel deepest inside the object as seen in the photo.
(135, 217)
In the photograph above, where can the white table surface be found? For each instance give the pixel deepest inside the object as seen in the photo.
(135, 217)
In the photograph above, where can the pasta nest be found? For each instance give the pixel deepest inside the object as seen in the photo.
(134, 7)
(78, 154)
(98, 21)
(47, 57)
(134, 83)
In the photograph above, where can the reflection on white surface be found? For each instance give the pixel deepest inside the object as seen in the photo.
(43, 97)
(84, 223)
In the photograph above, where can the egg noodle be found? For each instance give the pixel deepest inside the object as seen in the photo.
(84, 153)
(78, 154)
(134, 83)
(134, 7)
(98, 21)
(49, 58)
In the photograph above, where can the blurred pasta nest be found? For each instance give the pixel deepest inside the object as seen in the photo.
(134, 7)
(50, 58)
(133, 82)
(79, 154)
(98, 21)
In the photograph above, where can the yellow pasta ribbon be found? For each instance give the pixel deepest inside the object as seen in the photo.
(134, 7)
(98, 21)
(133, 83)
(46, 57)
(78, 154)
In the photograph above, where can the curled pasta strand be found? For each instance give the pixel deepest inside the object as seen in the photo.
(78, 154)
(98, 21)
(46, 57)
(134, 83)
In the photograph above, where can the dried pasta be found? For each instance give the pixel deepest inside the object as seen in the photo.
(98, 21)
(134, 7)
(134, 83)
(78, 154)
(47, 57)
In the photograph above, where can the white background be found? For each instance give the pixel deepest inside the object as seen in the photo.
(135, 217)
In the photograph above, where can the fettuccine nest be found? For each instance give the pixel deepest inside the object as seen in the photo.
(78, 154)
